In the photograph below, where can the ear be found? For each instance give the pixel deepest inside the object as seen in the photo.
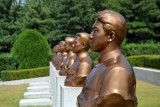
(83, 45)
(111, 36)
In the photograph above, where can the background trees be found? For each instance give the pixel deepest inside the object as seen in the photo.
(56, 19)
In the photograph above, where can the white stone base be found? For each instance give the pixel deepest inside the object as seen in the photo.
(35, 102)
(44, 94)
(38, 88)
(69, 96)
(34, 84)
(59, 81)
(55, 73)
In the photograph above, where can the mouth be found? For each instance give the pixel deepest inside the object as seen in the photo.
(91, 41)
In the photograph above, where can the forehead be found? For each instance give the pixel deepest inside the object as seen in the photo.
(97, 24)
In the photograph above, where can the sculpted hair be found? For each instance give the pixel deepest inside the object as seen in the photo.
(69, 40)
(113, 21)
(85, 38)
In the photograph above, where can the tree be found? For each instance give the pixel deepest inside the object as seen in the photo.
(37, 15)
(73, 16)
(8, 14)
(31, 50)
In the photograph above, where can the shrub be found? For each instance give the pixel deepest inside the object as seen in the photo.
(31, 50)
(141, 49)
(93, 55)
(94, 63)
(152, 61)
(25, 73)
(7, 62)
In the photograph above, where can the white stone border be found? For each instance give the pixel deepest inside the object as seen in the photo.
(23, 81)
(147, 75)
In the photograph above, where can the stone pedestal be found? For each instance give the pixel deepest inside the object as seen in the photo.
(55, 73)
(52, 70)
(69, 96)
(59, 81)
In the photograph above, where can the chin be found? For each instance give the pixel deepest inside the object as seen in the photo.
(94, 49)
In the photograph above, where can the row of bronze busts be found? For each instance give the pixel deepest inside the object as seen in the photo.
(111, 83)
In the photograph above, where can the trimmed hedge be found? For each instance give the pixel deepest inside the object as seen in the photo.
(134, 49)
(7, 62)
(93, 55)
(151, 61)
(141, 49)
(25, 73)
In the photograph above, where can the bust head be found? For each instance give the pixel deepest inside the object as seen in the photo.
(81, 42)
(108, 30)
(53, 49)
(69, 42)
(62, 46)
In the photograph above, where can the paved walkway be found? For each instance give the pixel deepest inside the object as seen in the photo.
(23, 81)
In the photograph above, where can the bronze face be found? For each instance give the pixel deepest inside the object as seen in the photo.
(82, 65)
(70, 56)
(63, 55)
(69, 42)
(112, 82)
(98, 37)
(81, 42)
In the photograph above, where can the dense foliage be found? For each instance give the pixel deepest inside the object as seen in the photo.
(56, 19)
(31, 50)
(25, 73)
(7, 62)
(151, 61)
(141, 49)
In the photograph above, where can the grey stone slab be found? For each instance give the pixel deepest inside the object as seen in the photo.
(14, 82)
(44, 94)
(147, 75)
(38, 88)
(69, 96)
(1, 83)
(35, 102)
(23, 81)
(59, 81)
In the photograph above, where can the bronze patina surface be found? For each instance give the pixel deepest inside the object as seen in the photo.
(112, 81)
(82, 65)
(56, 55)
(70, 56)
(62, 56)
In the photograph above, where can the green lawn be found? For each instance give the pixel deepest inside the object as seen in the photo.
(148, 95)
(10, 95)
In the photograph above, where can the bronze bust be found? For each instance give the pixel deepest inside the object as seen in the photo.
(63, 55)
(112, 81)
(82, 65)
(70, 56)
(56, 56)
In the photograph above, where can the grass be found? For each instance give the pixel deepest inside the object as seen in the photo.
(148, 95)
(10, 95)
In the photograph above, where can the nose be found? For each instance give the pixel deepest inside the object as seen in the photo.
(91, 36)
(73, 45)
